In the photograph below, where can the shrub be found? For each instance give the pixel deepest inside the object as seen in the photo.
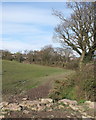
(81, 86)
(63, 89)
(86, 82)
(71, 65)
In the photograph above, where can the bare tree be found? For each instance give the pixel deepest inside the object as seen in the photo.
(78, 31)
(47, 53)
(65, 53)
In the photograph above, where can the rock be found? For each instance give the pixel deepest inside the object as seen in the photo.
(1, 116)
(30, 104)
(49, 105)
(34, 108)
(3, 104)
(91, 104)
(12, 107)
(84, 117)
(88, 116)
(41, 108)
(60, 106)
(68, 116)
(52, 116)
(74, 107)
(46, 100)
(3, 112)
(24, 99)
(26, 112)
(49, 110)
(84, 113)
(25, 103)
(68, 102)
(55, 108)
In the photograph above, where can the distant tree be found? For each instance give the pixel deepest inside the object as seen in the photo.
(47, 53)
(30, 57)
(7, 55)
(36, 56)
(19, 57)
(65, 53)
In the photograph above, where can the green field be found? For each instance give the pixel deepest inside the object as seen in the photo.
(19, 76)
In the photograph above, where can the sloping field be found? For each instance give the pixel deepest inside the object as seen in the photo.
(17, 77)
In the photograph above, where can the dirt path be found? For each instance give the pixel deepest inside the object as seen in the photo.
(41, 91)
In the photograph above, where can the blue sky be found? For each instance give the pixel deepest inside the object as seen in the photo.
(29, 25)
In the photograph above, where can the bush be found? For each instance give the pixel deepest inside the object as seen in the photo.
(86, 82)
(81, 86)
(71, 65)
(63, 89)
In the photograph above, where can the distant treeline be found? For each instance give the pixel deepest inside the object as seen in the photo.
(62, 57)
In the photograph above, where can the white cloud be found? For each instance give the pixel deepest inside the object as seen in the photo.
(18, 46)
(9, 28)
(31, 15)
(29, 43)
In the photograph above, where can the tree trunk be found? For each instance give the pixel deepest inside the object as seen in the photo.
(81, 60)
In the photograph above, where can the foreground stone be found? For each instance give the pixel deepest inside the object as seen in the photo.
(3, 104)
(26, 112)
(74, 107)
(24, 99)
(12, 107)
(91, 104)
(1, 116)
(68, 102)
(45, 104)
(46, 100)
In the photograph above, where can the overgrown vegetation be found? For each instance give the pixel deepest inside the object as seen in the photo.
(81, 86)
(86, 83)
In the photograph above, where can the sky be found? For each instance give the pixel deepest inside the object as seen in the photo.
(29, 25)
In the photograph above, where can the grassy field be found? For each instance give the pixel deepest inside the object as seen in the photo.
(18, 76)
